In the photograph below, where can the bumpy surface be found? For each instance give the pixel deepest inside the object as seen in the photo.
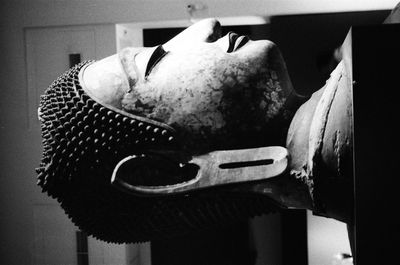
(84, 140)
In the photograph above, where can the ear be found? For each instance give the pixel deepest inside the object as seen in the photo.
(147, 173)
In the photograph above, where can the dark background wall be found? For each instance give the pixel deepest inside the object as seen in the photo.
(153, 37)
(306, 40)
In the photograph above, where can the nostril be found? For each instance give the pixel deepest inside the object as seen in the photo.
(232, 37)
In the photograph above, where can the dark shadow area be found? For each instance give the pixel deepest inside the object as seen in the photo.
(153, 37)
(375, 55)
(294, 237)
(308, 42)
(227, 245)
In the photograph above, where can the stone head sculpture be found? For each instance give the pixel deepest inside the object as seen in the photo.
(163, 105)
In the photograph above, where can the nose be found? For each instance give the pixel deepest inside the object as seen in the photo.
(206, 30)
(212, 30)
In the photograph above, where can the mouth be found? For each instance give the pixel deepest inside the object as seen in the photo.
(236, 41)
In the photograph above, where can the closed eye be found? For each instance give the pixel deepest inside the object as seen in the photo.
(155, 58)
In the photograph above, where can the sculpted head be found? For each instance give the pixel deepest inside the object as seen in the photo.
(196, 93)
(217, 91)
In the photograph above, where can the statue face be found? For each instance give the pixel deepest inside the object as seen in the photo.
(216, 92)
(210, 88)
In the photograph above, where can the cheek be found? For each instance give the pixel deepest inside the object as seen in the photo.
(212, 98)
(189, 92)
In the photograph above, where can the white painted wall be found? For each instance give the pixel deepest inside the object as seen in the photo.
(327, 239)
(47, 52)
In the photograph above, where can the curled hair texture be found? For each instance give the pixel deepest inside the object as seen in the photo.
(83, 141)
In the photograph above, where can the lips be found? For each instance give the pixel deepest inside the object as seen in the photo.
(236, 41)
